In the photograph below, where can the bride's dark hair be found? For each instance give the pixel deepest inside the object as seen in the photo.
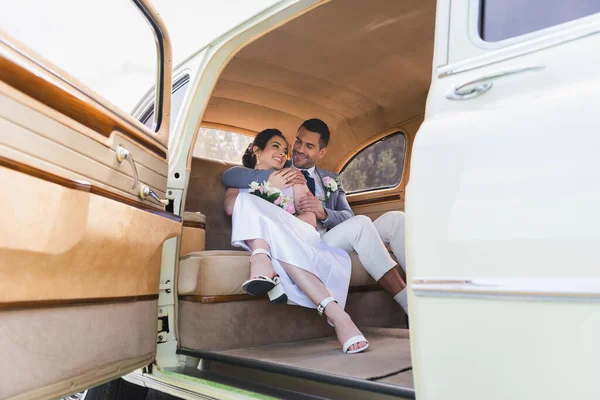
(260, 141)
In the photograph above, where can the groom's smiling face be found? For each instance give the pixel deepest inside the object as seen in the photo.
(307, 149)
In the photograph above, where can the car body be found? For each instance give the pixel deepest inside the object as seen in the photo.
(496, 105)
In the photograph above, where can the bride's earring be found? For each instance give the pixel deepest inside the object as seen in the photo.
(258, 159)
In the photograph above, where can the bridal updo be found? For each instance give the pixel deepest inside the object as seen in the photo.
(260, 141)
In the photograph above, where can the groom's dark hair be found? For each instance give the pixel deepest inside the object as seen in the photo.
(320, 127)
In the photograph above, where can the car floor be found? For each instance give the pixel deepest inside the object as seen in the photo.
(387, 360)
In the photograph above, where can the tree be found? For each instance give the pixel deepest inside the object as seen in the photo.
(221, 145)
(378, 165)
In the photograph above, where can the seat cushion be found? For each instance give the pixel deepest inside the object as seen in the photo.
(222, 272)
(205, 194)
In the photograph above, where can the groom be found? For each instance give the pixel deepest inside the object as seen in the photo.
(337, 224)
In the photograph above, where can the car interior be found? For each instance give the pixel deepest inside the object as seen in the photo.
(365, 69)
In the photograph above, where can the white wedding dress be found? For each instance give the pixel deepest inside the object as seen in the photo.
(292, 241)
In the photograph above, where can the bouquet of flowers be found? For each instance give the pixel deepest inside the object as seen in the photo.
(273, 195)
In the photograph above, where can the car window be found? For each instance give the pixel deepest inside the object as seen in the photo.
(107, 45)
(221, 144)
(178, 94)
(377, 166)
(504, 19)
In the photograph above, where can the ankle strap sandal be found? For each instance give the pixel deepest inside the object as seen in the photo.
(260, 251)
(260, 285)
(324, 303)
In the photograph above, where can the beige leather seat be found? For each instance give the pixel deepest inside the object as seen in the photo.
(222, 273)
(221, 269)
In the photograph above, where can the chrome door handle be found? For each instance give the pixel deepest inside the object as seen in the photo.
(481, 85)
(124, 154)
(144, 190)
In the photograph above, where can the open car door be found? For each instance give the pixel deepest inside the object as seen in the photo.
(502, 207)
(83, 223)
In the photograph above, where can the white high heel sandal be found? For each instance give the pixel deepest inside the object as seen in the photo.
(350, 342)
(260, 285)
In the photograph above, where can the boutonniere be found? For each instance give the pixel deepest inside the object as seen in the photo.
(331, 184)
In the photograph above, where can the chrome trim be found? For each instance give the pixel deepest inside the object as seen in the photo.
(555, 288)
(517, 50)
(462, 93)
(481, 85)
(160, 69)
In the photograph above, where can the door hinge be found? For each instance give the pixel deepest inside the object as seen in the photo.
(163, 324)
(165, 286)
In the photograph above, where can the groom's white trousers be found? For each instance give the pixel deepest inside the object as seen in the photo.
(367, 238)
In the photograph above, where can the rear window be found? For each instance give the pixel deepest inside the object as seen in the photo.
(505, 19)
(221, 144)
(377, 166)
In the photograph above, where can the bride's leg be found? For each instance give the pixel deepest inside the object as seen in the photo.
(301, 190)
(261, 263)
(314, 288)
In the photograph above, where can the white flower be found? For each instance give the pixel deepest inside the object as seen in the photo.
(330, 184)
(254, 186)
(269, 189)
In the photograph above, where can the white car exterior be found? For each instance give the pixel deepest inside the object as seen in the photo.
(502, 214)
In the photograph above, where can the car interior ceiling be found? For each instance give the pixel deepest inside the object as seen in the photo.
(362, 67)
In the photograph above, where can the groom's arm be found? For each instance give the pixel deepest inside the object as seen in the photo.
(242, 177)
(341, 213)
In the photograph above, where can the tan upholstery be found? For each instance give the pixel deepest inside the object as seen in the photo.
(362, 67)
(46, 346)
(238, 324)
(75, 244)
(222, 273)
(193, 236)
(192, 239)
(205, 194)
(197, 217)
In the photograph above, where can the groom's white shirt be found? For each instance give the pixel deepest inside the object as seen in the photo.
(319, 191)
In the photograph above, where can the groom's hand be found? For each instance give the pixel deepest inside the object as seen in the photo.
(310, 203)
(286, 177)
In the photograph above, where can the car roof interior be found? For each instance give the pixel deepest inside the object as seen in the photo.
(363, 67)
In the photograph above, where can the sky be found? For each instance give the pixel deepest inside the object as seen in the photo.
(107, 44)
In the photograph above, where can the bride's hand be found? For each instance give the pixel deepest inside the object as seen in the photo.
(286, 177)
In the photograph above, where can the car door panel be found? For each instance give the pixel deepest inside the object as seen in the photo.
(48, 350)
(501, 224)
(80, 252)
(27, 130)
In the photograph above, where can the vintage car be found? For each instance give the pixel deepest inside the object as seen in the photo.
(475, 117)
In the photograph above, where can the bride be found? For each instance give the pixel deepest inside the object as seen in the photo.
(289, 261)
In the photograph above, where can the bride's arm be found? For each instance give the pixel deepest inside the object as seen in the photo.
(230, 196)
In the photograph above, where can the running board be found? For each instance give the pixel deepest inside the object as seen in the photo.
(303, 374)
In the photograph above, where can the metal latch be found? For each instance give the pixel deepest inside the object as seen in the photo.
(163, 325)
